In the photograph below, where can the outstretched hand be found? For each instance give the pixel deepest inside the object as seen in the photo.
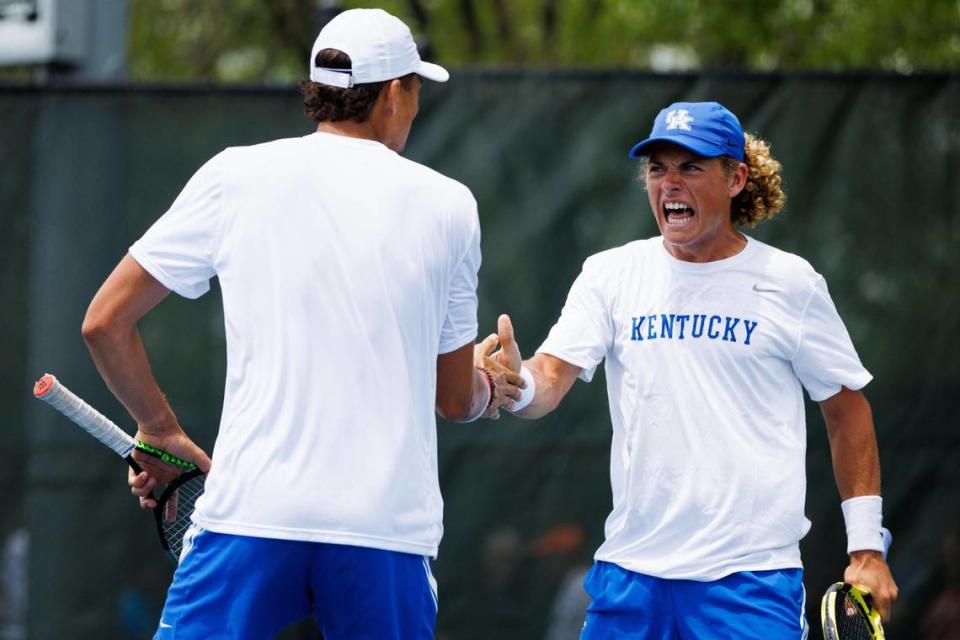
(509, 353)
(506, 380)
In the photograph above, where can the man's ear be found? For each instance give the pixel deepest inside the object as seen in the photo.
(389, 96)
(738, 180)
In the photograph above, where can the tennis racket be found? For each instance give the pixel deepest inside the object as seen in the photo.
(176, 502)
(846, 611)
(847, 615)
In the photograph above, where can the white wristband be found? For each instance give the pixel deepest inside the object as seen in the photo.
(863, 517)
(527, 393)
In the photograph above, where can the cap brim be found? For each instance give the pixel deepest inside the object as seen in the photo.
(696, 145)
(433, 72)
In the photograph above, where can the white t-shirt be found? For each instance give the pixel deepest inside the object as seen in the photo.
(704, 367)
(345, 270)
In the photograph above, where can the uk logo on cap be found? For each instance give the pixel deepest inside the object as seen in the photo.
(707, 128)
(679, 119)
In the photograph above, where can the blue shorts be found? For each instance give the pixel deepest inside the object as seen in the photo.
(750, 605)
(231, 586)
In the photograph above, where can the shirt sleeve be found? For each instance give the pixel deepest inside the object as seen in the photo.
(584, 333)
(460, 324)
(178, 250)
(826, 359)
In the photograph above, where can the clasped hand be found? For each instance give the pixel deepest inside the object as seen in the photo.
(503, 364)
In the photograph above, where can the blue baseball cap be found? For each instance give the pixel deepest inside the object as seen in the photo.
(707, 128)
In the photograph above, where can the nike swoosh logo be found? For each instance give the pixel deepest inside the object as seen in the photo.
(765, 288)
(164, 625)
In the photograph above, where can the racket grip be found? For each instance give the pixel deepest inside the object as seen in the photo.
(52, 391)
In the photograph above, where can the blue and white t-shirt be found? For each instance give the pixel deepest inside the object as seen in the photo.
(345, 270)
(705, 367)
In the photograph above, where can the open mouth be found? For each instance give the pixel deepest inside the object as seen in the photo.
(677, 213)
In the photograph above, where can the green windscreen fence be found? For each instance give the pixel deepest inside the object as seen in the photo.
(871, 166)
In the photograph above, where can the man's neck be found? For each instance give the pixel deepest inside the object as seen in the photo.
(350, 129)
(721, 248)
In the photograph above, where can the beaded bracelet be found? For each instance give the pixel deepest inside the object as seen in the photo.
(491, 385)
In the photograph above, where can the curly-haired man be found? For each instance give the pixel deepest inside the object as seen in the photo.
(709, 337)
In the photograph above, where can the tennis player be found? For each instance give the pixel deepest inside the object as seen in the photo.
(348, 276)
(708, 338)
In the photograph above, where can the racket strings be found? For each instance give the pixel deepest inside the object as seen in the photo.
(851, 622)
(176, 508)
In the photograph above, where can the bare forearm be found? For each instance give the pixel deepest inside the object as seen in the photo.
(853, 444)
(110, 331)
(553, 380)
(121, 359)
(856, 462)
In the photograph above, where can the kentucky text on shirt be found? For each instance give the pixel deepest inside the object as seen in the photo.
(680, 326)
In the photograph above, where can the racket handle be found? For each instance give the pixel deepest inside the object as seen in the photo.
(51, 391)
(887, 541)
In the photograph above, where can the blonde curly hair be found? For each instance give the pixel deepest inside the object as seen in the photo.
(762, 197)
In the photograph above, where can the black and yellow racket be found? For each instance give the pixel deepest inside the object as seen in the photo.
(847, 612)
(848, 615)
(176, 502)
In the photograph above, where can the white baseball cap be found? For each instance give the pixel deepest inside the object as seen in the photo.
(380, 47)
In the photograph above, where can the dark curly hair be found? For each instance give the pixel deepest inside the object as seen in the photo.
(323, 103)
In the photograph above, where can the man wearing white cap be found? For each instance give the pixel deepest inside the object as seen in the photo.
(349, 277)
(709, 338)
